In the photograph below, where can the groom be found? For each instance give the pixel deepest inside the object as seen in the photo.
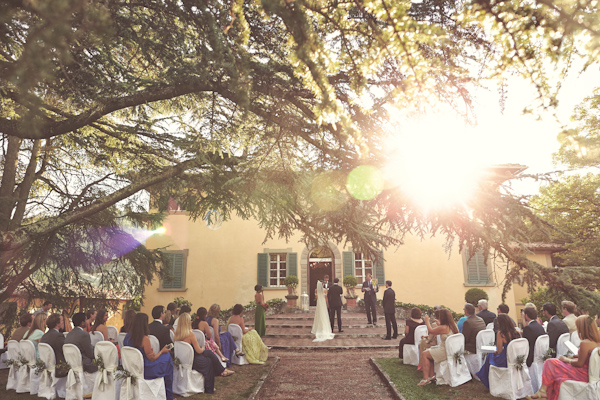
(334, 295)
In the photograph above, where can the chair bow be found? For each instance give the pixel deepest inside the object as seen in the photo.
(128, 382)
(73, 376)
(48, 374)
(520, 371)
(104, 377)
(182, 367)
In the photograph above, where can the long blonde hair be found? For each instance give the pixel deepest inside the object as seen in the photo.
(184, 327)
(39, 322)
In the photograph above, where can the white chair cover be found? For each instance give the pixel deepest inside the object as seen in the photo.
(236, 333)
(13, 372)
(154, 343)
(212, 332)
(490, 326)
(542, 344)
(172, 334)
(575, 339)
(146, 389)
(105, 384)
(4, 355)
(78, 381)
(454, 371)
(186, 381)
(29, 382)
(584, 390)
(561, 348)
(121, 338)
(65, 333)
(199, 336)
(96, 337)
(113, 332)
(411, 351)
(475, 361)
(50, 385)
(510, 382)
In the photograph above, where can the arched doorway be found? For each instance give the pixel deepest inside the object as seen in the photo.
(320, 263)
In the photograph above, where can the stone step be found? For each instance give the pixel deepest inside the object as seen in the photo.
(309, 325)
(335, 343)
(304, 333)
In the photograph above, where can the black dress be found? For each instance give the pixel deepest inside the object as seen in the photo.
(410, 338)
(209, 365)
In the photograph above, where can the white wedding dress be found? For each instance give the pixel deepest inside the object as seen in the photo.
(321, 325)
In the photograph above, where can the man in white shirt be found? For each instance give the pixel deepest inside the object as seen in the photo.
(568, 314)
(44, 309)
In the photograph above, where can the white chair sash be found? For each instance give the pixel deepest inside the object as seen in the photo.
(108, 352)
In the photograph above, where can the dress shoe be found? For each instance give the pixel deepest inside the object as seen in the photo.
(394, 337)
(386, 338)
(340, 331)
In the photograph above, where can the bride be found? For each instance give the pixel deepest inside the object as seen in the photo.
(321, 325)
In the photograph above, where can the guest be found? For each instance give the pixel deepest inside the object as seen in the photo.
(223, 339)
(503, 309)
(172, 308)
(205, 361)
(35, 333)
(202, 325)
(461, 321)
(66, 322)
(128, 319)
(389, 311)
(506, 334)
(409, 330)
(446, 328)
(531, 331)
(558, 370)
(100, 323)
(46, 307)
(539, 320)
(155, 365)
(157, 328)
(184, 309)
(568, 312)
(429, 340)
(556, 326)
(56, 339)
(166, 319)
(471, 327)
(80, 338)
(252, 344)
(487, 316)
(259, 312)
(90, 317)
(25, 321)
(370, 299)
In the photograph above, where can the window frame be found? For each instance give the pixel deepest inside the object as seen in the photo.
(361, 278)
(183, 287)
(467, 282)
(278, 262)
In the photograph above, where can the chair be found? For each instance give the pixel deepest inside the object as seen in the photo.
(136, 387)
(199, 337)
(490, 326)
(154, 343)
(121, 338)
(186, 381)
(4, 355)
(29, 382)
(545, 325)
(65, 333)
(561, 347)
(584, 390)
(411, 351)
(113, 332)
(79, 382)
(475, 361)
(96, 337)
(50, 385)
(105, 384)
(453, 371)
(14, 369)
(542, 344)
(512, 382)
(575, 339)
(172, 334)
(236, 333)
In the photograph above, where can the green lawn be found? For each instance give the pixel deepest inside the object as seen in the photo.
(406, 377)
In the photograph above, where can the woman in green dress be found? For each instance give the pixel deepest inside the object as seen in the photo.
(259, 313)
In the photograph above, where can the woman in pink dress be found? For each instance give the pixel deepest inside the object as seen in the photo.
(558, 370)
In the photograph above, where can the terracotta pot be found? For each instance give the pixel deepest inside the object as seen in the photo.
(291, 302)
(351, 302)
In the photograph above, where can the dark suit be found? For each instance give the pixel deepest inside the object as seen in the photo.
(531, 332)
(56, 340)
(335, 304)
(487, 316)
(471, 327)
(370, 301)
(555, 328)
(161, 332)
(83, 341)
(389, 310)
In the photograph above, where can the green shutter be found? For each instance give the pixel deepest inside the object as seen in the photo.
(379, 268)
(348, 261)
(175, 269)
(292, 264)
(263, 269)
(477, 270)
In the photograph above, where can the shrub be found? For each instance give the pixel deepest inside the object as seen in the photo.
(350, 281)
(180, 301)
(291, 281)
(473, 295)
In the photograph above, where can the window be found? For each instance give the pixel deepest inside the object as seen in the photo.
(177, 263)
(359, 265)
(277, 269)
(477, 272)
(362, 267)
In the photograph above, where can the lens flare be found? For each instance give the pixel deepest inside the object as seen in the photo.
(365, 182)
(328, 191)
(213, 219)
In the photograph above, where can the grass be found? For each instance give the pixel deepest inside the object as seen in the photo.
(406, 377)
(238, 386)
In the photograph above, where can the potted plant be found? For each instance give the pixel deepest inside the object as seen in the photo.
(291, 282)
(350, 283)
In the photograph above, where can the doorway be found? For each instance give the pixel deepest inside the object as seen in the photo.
(320, 263)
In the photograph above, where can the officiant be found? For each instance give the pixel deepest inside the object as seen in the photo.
(370, 290)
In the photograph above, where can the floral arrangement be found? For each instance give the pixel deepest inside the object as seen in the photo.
(62, 368)
(548, 354)
(458, 357)
(374, 282)
(12, 363)
(99, 362)
(122, 373)
(291, 281)
(176, 362)
(519, 362)
(39, 367)
(23, 362)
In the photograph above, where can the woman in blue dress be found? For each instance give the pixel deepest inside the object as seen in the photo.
(506, 334)
(155, 365)
(223, 339)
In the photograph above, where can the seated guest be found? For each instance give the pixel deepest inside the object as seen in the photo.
(66, 322)
(35, 333)
(90, 317)
(437, 354)
(157, 328)
(172, 308)
(166, 319)
(506, 334)
(556, 326)
(503, 309)
(487, 316)
(471, 327)
(568, 312)
(100, 323)
(128, 321)
(155, 365)
(409, 330)
(252, 344)
(56, 340)
(25, 321)
(184, 309)
(205, 361)
(460, 322)
(80, 338)
(223, 339)
(539, 320)
(531, 331)
(430, 340)
(558, 370)
(201, 324)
